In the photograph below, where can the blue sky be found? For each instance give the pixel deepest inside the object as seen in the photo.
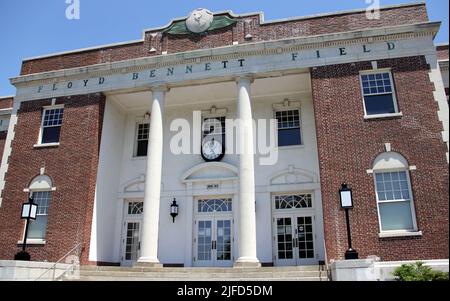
(37, 27)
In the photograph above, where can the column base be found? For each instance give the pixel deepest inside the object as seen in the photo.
(247, 264)
(148, 263)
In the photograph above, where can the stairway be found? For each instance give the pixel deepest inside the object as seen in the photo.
(300, 273)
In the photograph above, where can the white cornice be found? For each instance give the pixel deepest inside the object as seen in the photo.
(258, 48)
(261, 22)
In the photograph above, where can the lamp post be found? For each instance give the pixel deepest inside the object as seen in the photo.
(174, 209)
(29, 211)
(346, 197)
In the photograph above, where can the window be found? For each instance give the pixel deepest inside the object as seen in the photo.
(378, 93)
(38, 227)
(296, 201)
(51, 125)
(393, 193)
(215, 205)
(288, 127)
(135, 208)
(142, 134)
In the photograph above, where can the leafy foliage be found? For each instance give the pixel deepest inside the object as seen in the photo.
(419, 272)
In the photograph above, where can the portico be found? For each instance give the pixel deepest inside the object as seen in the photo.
(246, 204)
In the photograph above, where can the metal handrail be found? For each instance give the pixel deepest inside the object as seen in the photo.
(53, 267)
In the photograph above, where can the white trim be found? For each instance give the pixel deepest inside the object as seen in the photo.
(383, 116)
(440, 97)
(387, 234)
(411, 202)
(33, 241)
(393, 93)
(7, 111)
(53, 106)
(289, 106)
(44, 145)
(181, 57)
(28, 190)
(41, 130)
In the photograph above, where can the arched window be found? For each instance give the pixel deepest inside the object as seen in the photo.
(40, 188)
(394, 194)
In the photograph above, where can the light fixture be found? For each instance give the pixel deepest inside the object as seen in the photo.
(29, 211)
(174, 209)
(346, 197)
(147, 116)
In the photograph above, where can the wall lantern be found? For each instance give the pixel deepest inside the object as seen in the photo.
(174, 209)
(346, 197)
(29, 211)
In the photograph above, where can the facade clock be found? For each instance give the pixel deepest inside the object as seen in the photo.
(212, 150)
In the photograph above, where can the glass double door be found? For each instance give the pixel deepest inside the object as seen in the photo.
(213, 241)
(294, 240)
(131, 242)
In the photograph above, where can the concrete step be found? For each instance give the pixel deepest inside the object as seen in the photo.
(300, 273)
(200, 275)
(200, 269)
(96, 278)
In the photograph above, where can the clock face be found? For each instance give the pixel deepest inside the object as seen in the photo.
(212, 150)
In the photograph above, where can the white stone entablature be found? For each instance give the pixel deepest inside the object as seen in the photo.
(221, 63)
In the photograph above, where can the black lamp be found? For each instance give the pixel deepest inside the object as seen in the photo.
(29, 211)
(346, 197)
(174, 209)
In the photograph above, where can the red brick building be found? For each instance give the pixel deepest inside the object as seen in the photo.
(357, 100)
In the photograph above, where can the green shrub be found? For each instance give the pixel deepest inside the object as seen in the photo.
(419, 272)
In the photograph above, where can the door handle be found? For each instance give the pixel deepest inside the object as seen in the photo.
(139, 246)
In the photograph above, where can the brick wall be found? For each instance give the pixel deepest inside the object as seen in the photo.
(348, 144)
(333, 23)
(442, 52)
(72, 167)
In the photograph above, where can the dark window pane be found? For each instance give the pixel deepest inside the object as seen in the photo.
(142, 148)
(379, 104)
(289, 137)
(51, 134)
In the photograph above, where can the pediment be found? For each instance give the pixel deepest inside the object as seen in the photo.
(135, 185)
(210, 171)
(294, 175)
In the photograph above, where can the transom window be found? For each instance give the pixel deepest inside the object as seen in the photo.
(294, 201)
(215, 205)
(135, 208)
(394, 201)
(51, 125)
(38, 227)
(288, 127)
(378, 93)
(142, 134)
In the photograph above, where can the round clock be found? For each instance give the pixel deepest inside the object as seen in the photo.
(212, 150)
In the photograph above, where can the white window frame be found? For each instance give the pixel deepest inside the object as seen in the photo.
(136, 133)
(397, 113)
(36, 241)
(41, 130)
(398, 232)
(289, 106)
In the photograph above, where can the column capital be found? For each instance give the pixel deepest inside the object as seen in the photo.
(245, 77)
(160, 88)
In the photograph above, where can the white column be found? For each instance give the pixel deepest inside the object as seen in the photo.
(150, 225)
(246, 202)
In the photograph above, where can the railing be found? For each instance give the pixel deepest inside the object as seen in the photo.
(69, 268)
